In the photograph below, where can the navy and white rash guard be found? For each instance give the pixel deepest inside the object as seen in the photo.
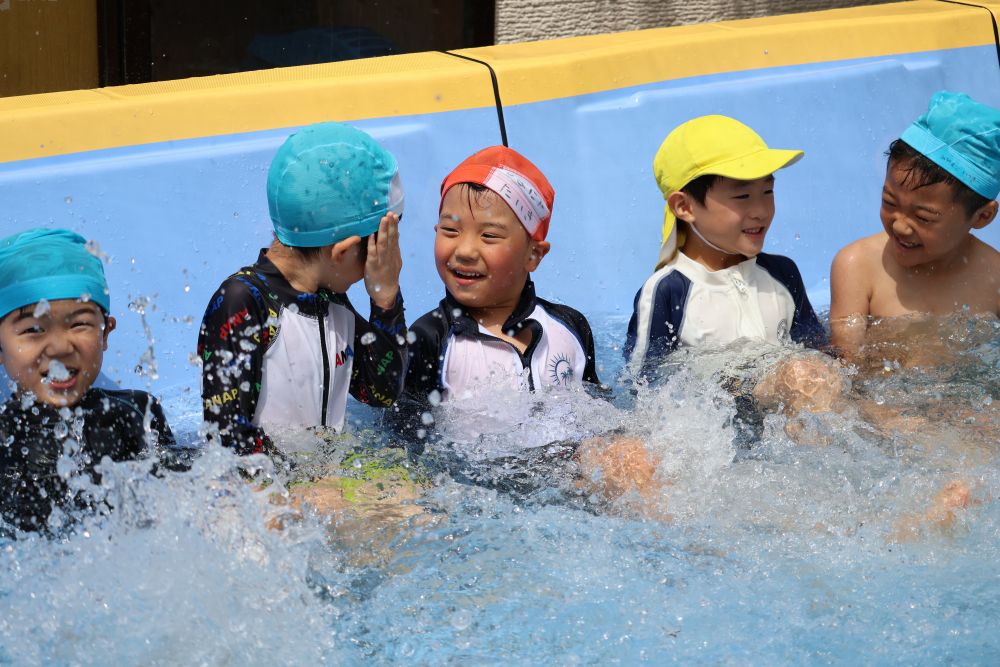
(685, 304)
(453, 354)
(276, 357)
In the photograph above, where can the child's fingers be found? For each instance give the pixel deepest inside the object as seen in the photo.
(372, 249)
(388, 236)
(388, 231)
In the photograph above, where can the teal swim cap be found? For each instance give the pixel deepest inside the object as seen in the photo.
(962, 137)
(49, 264)
(328, 182)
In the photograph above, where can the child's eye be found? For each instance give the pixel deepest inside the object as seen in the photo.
(81, 324)
(887, 203)
(36, 329)
(769, 192)
(744, 196)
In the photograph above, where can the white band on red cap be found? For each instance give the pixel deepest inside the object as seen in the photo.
(520, 194)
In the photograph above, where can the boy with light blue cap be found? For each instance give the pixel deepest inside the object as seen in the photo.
(280, 343)
(942, 180)
(54, 328)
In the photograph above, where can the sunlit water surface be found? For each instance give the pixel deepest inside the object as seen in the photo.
(783, 553)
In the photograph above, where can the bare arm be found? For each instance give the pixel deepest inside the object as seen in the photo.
(850, 299)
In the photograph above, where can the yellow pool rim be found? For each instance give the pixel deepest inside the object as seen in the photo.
(35, 126)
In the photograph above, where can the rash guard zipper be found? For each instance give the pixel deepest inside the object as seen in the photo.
(321, 316)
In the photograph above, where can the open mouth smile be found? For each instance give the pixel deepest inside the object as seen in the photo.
(466, 276)
(59, 377)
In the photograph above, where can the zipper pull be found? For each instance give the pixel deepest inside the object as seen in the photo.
(740, 284)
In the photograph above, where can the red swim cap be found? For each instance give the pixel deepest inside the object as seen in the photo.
(513, 177)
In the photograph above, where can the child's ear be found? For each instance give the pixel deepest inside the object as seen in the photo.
(339, 249)
(539, 249)
(985, 215)
(109, 325)
(681, 205)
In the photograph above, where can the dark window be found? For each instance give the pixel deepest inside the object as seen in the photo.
(158, 40)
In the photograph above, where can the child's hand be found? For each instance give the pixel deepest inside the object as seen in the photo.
(384, 263)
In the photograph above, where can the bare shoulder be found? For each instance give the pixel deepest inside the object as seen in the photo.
(987, 257)
(861, 252)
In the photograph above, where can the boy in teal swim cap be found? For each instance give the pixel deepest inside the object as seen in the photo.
(54, 328)
(280, 343)
(941, 182)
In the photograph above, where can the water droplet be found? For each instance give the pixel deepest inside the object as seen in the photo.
(42, 309)
(67, 198)
(368, 338)
(461, 619)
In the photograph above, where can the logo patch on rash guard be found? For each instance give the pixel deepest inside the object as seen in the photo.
(560, 370)
(344, 355)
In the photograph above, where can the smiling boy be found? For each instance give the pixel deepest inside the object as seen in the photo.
(713, 284)
(491, 329)
(941, 182)
(53, 334)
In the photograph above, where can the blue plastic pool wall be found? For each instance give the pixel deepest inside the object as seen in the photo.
(176, 218)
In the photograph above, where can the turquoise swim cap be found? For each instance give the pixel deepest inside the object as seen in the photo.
(328, 182)
(49, 264)
(962, 137)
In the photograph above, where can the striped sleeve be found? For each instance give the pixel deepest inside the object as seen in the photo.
(657, 316)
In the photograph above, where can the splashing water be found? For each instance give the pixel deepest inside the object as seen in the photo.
(57, 372)
(147, 365)
(795, 549)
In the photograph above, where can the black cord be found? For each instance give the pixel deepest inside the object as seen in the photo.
(496, 92)
(996, 32)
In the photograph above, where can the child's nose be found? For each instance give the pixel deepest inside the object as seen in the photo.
(58, 346)
(467, 246)
(901, 226)
(759, 208)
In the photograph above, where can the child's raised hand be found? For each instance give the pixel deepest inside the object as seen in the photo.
(384, 262)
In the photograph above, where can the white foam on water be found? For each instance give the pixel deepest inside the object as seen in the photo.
(786, 552)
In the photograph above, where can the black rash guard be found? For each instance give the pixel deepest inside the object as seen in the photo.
(452, 353)
(276, 357)
(122, 425)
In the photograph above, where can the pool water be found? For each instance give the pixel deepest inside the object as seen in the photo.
(786, 552)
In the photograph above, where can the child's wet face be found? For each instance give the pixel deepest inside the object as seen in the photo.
(737, 214)
(924, 224)
(57, 354)
(482, 251)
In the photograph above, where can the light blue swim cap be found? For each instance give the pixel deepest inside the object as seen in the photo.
(328, 182)
(49, 264)
(962, 137)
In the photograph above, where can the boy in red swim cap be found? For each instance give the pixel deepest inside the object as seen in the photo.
(491, 329)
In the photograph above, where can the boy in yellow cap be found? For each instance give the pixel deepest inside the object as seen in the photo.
(712, 284)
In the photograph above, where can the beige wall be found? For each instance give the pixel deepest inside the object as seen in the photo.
(526, 20)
